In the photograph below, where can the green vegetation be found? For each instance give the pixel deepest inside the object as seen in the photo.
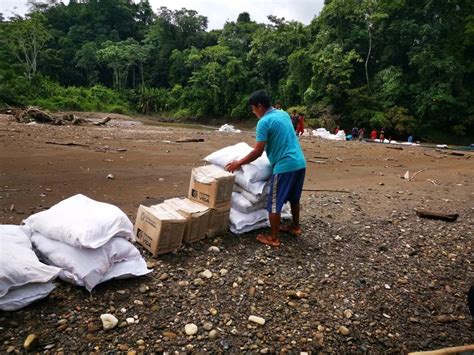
(403, 65)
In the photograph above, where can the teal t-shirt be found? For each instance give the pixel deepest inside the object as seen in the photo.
(282, 147)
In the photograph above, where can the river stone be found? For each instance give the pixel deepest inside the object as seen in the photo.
(108, 321)
(190, 329)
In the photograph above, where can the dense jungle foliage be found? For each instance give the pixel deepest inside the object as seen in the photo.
(404, 65)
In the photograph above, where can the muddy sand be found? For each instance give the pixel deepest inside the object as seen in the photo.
(374, 276)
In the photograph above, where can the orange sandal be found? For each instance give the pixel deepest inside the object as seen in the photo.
(268, 240)
(290, 230)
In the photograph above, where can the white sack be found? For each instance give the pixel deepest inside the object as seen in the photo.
(21, 297)
(240, 220)
(258, 170)
(257, 188)
(84, 266)
(259, 225)
(127, 269)
(82, 222)
(240, 203)
(19, 265)
(263, 197)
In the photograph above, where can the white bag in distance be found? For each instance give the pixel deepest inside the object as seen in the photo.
(89, 267)
(20, 269)
(258, 170)
(82, 222)
(240, 203)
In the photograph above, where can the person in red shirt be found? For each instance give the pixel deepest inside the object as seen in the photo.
(373, 134)
(300, 126)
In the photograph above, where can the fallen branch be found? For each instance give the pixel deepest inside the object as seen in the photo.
(339, 160)
(190, 140)
(320, 157)
(397, 148)
(437, 215)
(415, 174)
(433, 182)
(453, 350)
(323, 190)
(10, 190)
(103, 121)
(316, 161)
(68, 144)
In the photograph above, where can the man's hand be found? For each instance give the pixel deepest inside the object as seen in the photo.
(233, 166)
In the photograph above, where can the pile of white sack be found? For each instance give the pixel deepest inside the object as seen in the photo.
(82, 241)
(249, 199)
(325, 134)
(229, 128)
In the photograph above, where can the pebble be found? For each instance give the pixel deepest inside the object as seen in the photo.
(258, 320)
(123, 347)
(110, 176)
(170, 335)
(223, 272)
(337, 238)
(213, 334)
(143, 289)
(10, 349)
(444, 319)
(183, 283)
(123, 310)
(138, 302)
(207, 326)
(214, 249)
(348, 313)
(140, 342)
(108, 321)
(130, 320)
(198, 282)
(163, 276)
(213, 311)
(30, 341)
(150, 264)
(190, 329)
(206, 274)
(343, 330)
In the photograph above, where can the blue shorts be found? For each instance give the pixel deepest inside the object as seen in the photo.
(285, 187)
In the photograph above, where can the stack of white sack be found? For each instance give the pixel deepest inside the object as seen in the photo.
(324, 133)
(23, 278)
(228, 128)
(249, 200)
(88, 240)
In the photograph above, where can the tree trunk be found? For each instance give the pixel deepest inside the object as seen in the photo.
(367, 59)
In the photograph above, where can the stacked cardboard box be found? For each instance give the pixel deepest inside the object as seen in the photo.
(163, 228)
(212, 186)
(159, 229)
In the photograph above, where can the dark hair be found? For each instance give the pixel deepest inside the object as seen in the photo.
(260, 97)
(301, 113)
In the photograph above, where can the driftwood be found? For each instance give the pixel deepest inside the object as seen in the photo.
(35, 114)
(190, 140)
(103, 121)
(415, 174)
(397, 148)
(322, 190)
(316, 161)
(67, 143)
(437, 215)
(467, 349)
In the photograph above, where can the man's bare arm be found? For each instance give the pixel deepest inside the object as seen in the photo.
(254, 154)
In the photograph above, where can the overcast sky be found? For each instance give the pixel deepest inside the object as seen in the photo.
(217, 11)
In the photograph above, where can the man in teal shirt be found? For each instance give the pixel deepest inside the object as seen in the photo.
(275, 135)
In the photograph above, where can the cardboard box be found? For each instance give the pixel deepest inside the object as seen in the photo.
(218, 221)
(212, 186)
(196, 214)
(160, 230)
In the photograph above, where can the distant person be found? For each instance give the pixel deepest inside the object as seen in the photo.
(355, 133)
(373, 134)
(275, 136)
(300, 126)
(410, 139)
(278, 105)
(336, 131)
(361, 133)
(294, 119)
(382, 135)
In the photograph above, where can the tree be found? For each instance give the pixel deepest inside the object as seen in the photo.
(26, 38)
